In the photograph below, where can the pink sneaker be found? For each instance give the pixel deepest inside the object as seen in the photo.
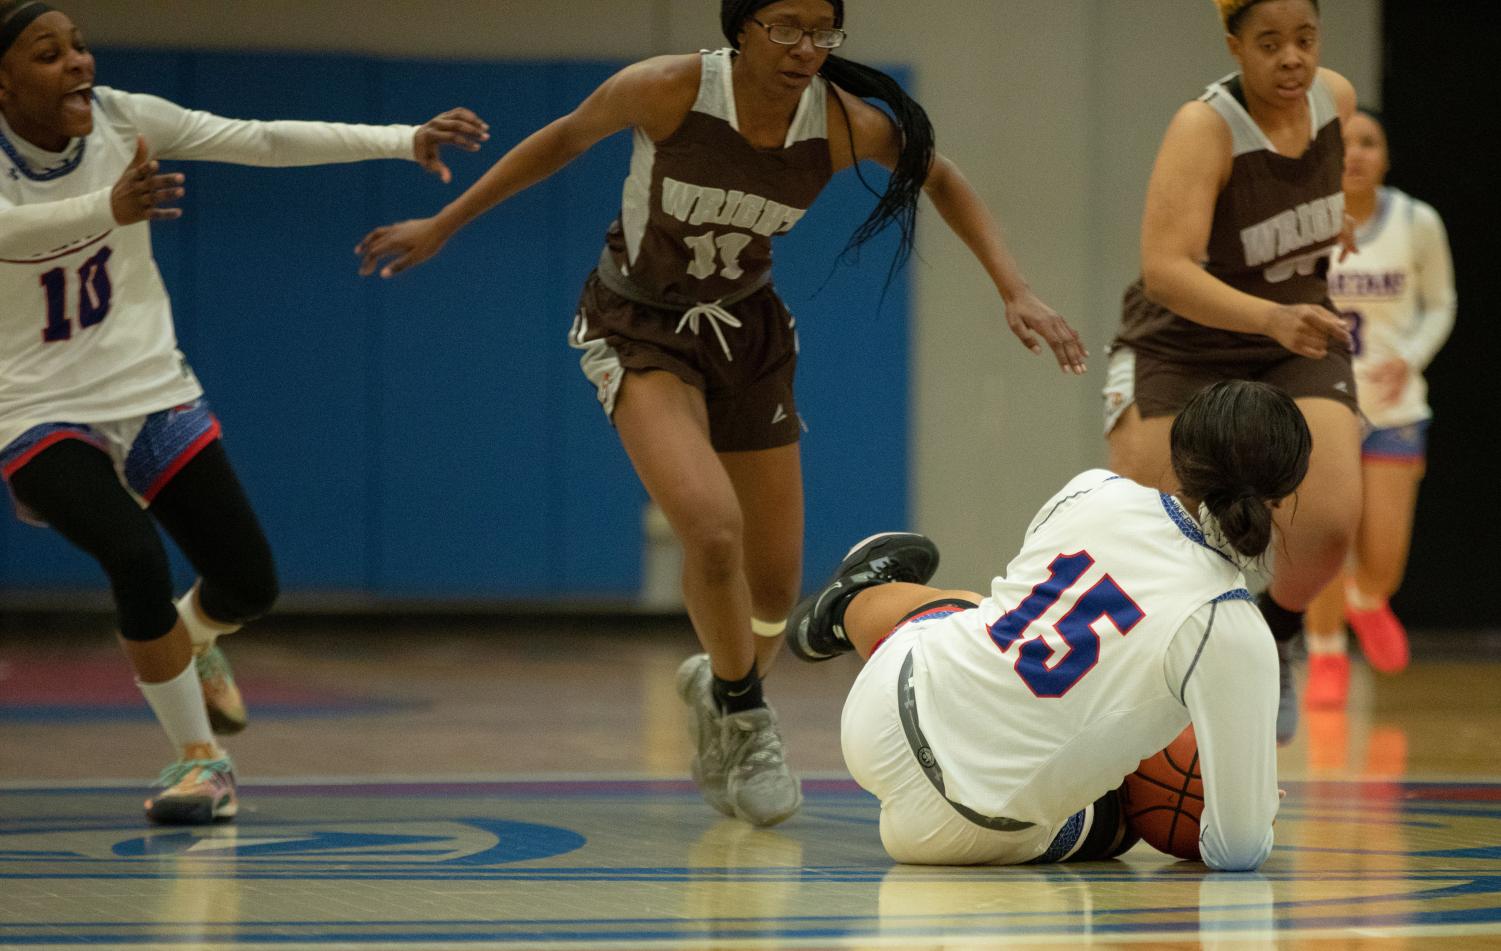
(195, 792)
(1383, 639)
(1328, 681)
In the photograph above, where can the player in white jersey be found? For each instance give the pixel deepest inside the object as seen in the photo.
(101, 420)
(998, 730)
(1398, 296)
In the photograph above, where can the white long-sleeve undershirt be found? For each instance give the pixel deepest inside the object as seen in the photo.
(173, 133)
(1223, 663)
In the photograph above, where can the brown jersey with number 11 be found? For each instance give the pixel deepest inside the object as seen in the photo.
(700, 208)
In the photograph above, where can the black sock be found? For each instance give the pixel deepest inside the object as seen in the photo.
(1285, 624)
(737, 696)
(836, 617)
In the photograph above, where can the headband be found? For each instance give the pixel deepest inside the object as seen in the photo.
(18, 21)
(733, 13)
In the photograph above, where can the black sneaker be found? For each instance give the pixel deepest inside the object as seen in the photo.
(879, 559)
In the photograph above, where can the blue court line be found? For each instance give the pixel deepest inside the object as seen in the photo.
(241, 936)
(809, 919)
(823, 789)
(789, 876)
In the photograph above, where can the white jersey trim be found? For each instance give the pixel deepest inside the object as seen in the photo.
(1246, 134)
(635, 199)
(716, 97)
(716, 88)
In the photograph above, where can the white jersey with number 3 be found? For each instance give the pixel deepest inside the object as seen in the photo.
(85, 324)
(1397, 293)
(1116, 623)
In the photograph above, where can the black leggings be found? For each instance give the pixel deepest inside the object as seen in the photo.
(74, 487)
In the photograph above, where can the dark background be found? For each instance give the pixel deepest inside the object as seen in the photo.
(1439, 101)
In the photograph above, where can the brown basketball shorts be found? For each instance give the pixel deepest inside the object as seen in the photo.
(745, 372)
(1162, 387)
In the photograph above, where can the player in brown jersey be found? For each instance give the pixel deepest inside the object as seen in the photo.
(1242, 213)
(690, 348)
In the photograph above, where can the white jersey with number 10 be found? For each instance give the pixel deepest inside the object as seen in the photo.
(85, 324)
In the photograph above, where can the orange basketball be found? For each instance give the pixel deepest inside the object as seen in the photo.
(1165, 797)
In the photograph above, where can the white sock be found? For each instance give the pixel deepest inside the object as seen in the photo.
(1337, 643)
(768, 628)
(178, 705)
(1359, 600)
(202, 629)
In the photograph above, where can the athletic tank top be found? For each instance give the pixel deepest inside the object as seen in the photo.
(1062, 688)
(700, 208)
(1274, 224)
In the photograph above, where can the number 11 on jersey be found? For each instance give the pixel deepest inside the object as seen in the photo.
(709, 248)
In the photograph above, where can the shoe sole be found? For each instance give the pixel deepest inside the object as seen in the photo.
(197, 811)
(864, 549)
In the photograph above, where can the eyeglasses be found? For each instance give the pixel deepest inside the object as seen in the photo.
(785, 34)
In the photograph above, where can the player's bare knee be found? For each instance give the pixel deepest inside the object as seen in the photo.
(713, 547)
(773, 598)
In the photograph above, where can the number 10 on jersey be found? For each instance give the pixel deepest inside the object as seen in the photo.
(94, 292)
(1104, 600)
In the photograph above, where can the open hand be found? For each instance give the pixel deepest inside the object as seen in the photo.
(1389, 379)
(1029, 318)
(458, 127)
(406, 243)
(140, 193)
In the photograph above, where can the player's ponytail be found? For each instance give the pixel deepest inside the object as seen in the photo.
(1237, 446)
(898, 203)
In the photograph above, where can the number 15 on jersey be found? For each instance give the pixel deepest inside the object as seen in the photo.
(1104, 600)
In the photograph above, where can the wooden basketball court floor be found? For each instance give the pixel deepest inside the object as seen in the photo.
(468, 784)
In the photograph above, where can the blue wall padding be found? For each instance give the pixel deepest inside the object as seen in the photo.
(432, 436)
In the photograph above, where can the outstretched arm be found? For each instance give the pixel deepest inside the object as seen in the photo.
(963, 210)
(1026, 314)
(173, 132)
(647, 95)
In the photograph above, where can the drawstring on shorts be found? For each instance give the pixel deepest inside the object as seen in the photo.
(715, 315)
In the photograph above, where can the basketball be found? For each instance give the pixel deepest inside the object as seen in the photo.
(1165, 796)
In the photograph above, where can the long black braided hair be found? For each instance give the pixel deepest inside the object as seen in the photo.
(898, 204)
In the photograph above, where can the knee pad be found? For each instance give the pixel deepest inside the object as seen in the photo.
(252, 596)
(142, 586)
